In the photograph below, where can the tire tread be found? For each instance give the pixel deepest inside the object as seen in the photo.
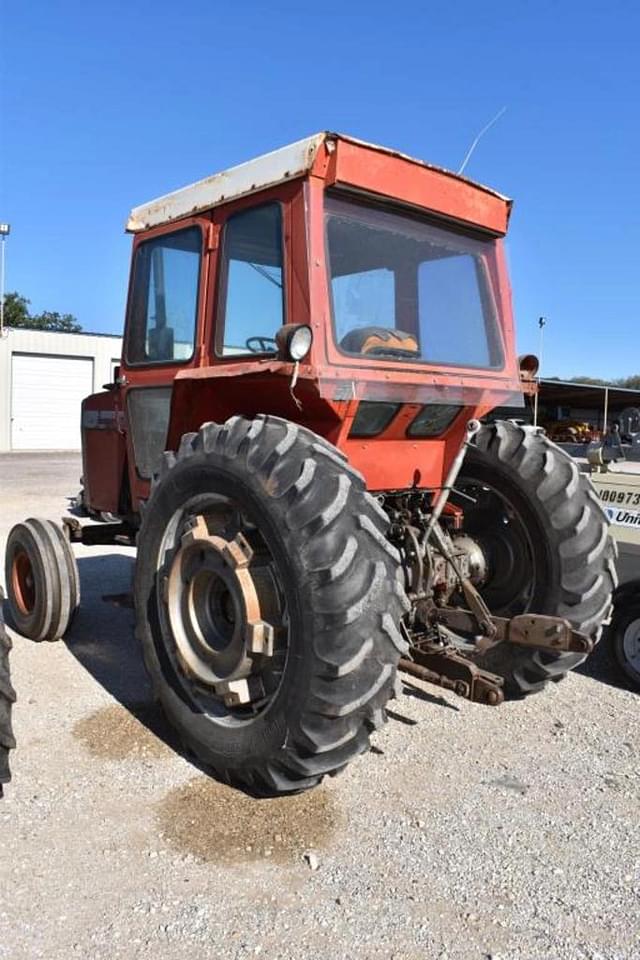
(348, 583)
(577, 529)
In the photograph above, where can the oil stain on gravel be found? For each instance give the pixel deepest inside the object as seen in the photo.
(213, 822)
(117, 732)
(509, 783)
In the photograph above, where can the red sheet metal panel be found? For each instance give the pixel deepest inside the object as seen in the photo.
(377, 171)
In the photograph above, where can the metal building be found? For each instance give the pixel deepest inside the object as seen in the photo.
(43, 378)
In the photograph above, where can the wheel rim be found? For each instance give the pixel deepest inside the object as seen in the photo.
(497, 526)
(23, 582)
(222, 610)
(631, 644)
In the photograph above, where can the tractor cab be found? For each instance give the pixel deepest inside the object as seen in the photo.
(332, 282)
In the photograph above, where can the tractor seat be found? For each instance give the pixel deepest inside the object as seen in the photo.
(380, 342)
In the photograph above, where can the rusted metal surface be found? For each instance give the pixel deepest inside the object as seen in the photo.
(22, 582)
(481, 613)
(445, 667)
(215, 607)
(443, 664)
(526, 630)
(547, 633)
(268, 170)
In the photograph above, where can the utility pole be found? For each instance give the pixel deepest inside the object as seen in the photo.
(5, 230)
(542, 322)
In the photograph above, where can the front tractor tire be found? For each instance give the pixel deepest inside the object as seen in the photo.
(43, 584)
(545, 537)
(268, 603)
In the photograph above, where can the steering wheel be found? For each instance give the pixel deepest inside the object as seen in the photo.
(264, 344)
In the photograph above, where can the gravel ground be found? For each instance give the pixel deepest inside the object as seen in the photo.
(468, 832)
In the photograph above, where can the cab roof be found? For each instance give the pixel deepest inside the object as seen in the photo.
(480, 205)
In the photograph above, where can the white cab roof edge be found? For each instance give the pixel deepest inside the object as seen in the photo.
(280, 165)
(265, 171)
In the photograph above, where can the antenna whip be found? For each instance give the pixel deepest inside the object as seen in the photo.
(477, 139)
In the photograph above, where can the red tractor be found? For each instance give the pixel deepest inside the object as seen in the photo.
(295, 442)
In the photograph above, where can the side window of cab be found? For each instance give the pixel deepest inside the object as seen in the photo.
(251, 302)
(164, 299)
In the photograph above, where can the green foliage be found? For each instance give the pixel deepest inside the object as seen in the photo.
(16, 314)
(16, 310)
(593, 381)
(52, 320)
(632, 382)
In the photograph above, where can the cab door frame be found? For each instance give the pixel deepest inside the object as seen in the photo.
(159, 375)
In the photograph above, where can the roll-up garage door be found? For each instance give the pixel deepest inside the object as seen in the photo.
(46, 393)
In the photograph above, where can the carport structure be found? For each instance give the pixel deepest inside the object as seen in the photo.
(596, 404)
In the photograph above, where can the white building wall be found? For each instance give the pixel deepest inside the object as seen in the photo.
(101, 349)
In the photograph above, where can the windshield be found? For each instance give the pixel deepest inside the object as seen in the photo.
(407, 290)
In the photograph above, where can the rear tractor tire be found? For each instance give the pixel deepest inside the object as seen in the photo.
(43, 584)
(7, 699)
(268, 603)
(546, 540)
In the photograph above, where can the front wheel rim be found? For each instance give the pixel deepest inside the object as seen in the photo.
(631, 645)
(23, 583)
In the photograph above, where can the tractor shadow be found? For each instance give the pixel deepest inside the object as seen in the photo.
(102, 640)
(601, 666)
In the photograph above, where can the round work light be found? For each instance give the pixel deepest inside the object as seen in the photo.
(294, 341)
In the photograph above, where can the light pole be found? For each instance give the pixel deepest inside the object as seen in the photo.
(542, 322)
(5, 230)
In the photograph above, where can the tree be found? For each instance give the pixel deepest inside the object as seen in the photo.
(592, 381)
(16, 310)
(16, 314)
(632, 382)
(52, 320)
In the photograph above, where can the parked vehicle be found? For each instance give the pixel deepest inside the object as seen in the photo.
(619, 492)
(294, 442)
(570, 431)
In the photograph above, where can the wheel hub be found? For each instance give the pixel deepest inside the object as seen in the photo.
(507, 571)
(217, 605)
(631, 644)
(23, 582)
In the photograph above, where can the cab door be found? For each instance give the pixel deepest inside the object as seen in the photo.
(163, 335)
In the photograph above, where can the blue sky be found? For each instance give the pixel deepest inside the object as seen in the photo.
(107, 105)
